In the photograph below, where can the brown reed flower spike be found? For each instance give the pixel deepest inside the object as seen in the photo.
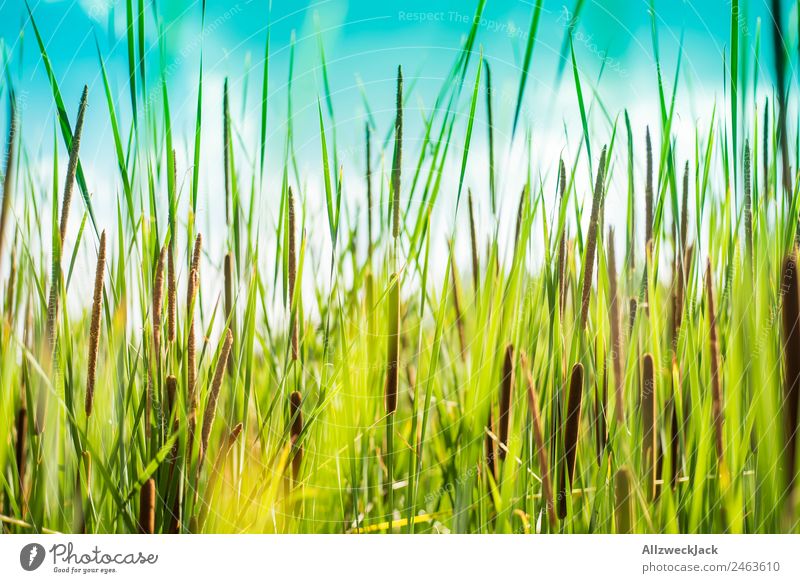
(591, 238)
(572, 425)
(94, 331)
(398, 156)
(506, 388)
(296, 418)
(790, 289)
(616, 333)
(648, 404)
(147, 507)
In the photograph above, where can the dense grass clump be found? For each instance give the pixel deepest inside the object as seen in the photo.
(388, 357)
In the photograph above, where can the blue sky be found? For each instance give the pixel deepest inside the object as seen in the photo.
(364, 42)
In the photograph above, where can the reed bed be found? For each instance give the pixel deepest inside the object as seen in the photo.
(640, 294)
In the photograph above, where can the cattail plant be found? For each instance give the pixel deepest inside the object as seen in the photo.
(506, 388)
(648, 189)
(790, 289)
(229, 316)
(20, 449)
(398, 156)
(601, 403)
(292, 268)
(572, 425)
(684, 211)
(72, 166)
(649, 435)
(191, 349)
(197, 252)
(158, 302)
(538, 439)
(616, 334)
(714, 366)
(675, 430)
(172, 297)
(94, 331)
(623, 500)
(8, 177)
(216, 384)
(296, 419)
(561, 259)
(172, 392)
(591, 239)
(147, 507)
(55, 271)
(393, 344)
(82, 488)
(473, 237)
(490, 445)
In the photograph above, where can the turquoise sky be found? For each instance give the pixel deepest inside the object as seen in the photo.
(364, 42)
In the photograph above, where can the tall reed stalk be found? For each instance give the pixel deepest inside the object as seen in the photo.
(538, 439)
(714, 366)
(94, 331)
(147, 507)
(571, 428)
(616, 333)
(790, 289)
(591, 239)
(506, 389)
(649, 417)
(8, 177)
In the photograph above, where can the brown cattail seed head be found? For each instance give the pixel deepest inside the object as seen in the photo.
(197, 253)
(506, 387)
(398, 156)
(94, 331)
(571, 428)
(21, 449)
(147, 507)
(648, 400)
(172, 300)
(296, 417)
(172, 391)
(790, 289)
